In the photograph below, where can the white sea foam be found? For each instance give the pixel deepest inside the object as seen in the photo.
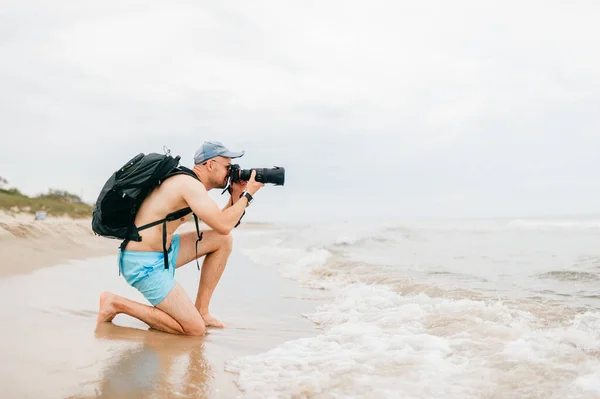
(377, 343)
(371, 338)
(588, 384)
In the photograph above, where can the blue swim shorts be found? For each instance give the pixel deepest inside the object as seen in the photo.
(145, 271)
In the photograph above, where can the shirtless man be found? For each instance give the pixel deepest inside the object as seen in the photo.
(142, 263)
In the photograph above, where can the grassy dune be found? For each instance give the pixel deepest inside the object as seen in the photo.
(55, 203)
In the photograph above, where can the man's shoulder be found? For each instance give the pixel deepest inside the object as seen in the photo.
(183, 182)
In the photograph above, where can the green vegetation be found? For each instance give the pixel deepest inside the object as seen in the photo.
(54, 202)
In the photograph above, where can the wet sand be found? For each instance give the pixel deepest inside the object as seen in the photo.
(52, 347)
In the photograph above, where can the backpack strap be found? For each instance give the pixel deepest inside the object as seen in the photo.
(198, 240)
(122, 248)
(170, 217)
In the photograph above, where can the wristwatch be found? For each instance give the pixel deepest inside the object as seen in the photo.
(248, 197)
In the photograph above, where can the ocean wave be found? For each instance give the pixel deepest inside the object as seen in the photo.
(296, 263)
(370, 340)
(377, 343)
(397, 322)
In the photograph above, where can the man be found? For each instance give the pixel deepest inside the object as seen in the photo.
(142, 263)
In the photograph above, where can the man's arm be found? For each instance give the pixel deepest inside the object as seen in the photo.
(229, 203)
(207, 210)
(235, 189)
(232, 200)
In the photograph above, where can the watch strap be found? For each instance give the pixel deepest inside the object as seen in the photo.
(248, 196)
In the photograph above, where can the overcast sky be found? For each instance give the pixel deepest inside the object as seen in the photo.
(375, 108)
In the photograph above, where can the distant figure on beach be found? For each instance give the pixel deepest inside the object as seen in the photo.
(142, 263)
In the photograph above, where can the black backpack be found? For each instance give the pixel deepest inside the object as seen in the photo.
(122, 195)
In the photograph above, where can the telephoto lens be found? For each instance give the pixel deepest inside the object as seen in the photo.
(275, 175)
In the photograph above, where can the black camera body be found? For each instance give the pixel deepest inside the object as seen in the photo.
(274, 175)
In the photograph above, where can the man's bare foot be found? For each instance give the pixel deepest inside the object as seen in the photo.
(212, 322)
(107, 310)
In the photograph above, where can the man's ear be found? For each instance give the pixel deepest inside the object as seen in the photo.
(206, 164)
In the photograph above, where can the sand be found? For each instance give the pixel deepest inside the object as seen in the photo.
(27, 244)
(52, 347)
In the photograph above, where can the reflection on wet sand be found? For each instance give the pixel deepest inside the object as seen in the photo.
(151, 364)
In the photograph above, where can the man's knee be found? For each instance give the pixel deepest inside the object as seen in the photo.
(195, 327)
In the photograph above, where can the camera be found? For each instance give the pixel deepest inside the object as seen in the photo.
(274, 175)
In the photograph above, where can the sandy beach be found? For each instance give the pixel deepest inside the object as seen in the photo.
(27, 244)
(52, 275)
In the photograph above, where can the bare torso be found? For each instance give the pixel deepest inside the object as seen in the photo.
(163, 200)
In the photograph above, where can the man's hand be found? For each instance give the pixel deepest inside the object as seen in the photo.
(237, 188)
(251, 186)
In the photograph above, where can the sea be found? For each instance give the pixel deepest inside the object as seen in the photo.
(496, 308)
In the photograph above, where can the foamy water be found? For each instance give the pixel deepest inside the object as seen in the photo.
(496, 309)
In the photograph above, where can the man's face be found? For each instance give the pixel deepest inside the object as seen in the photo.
(221, 170)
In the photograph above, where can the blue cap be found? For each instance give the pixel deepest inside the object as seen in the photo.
(211, 149)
